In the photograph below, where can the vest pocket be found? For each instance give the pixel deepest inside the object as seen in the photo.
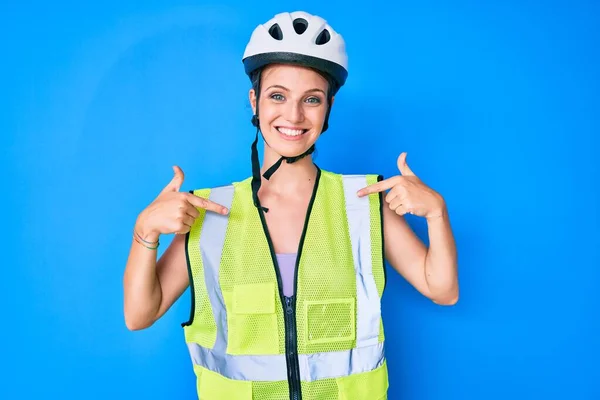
(212, 386)
(330, 321)
(252, 322)
(372, 385)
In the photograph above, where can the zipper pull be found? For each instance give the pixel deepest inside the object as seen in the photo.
(288, 305)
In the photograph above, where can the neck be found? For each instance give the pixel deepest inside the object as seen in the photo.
(289, 177)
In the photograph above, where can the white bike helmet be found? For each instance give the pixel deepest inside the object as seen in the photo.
(298, 38)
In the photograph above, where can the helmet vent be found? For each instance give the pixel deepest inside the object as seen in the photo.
(300, 25)
(275, 32)
(323, 37)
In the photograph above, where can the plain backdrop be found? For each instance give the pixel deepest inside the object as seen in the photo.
(496, 103)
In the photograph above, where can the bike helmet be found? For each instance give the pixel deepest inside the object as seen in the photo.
(298, 38)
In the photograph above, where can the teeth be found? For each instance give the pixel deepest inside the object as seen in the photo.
(291, 132)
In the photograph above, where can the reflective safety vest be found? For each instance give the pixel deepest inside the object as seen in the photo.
(247, 340)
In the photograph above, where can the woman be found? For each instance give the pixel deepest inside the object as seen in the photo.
(287, 266)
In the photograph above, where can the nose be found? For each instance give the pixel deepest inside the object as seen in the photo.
(294, 112)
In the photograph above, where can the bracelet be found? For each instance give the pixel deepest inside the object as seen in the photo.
(138, 238)
(142, 239)
(143, 244)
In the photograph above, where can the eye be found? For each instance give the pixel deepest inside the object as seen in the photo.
(277, 97)
(313, 100)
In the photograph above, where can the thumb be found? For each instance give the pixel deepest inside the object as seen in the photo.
(403, 166)
(176, 182)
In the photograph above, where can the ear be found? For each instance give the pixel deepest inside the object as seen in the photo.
(332, 100)
(252, 98)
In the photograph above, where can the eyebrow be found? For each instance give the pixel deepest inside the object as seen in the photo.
(286, 89)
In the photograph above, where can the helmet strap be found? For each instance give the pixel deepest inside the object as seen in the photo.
(256, 179)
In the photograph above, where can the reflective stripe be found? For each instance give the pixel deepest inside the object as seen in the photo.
(336, 364)
(368, 312)
(211, 248)
(269, 368)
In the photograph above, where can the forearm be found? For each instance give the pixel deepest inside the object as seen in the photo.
(142, 291)
(441, 270)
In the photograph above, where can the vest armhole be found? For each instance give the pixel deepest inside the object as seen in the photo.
(191, 278)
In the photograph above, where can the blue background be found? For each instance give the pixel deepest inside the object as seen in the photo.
(497, 105)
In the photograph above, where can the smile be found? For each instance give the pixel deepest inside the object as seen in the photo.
(291, 132)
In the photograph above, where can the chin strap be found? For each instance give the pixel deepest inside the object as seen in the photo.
(268, 173)
(256, 177)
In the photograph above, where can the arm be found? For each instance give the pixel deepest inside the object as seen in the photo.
(432, 271)
(151, 287)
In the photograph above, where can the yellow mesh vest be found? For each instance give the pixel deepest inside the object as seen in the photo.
(247, 341)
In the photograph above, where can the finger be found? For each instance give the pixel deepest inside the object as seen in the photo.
(183, 229)
(397, 202)
(176, 182)
(192, 211)
(398, 207)
(183, 223)
(188, 220)
(206, 204)
(397, 190)
(377, 187)
(403, 166)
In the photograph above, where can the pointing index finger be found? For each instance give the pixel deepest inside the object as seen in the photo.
(206, 204)
(377, 187)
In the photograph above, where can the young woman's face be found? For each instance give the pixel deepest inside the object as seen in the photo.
(292, 108)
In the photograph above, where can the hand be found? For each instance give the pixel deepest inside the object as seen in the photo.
(173, 211)
(408, 194)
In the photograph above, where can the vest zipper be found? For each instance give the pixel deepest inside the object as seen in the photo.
(291, 339)
(291, 349)
(289, 303)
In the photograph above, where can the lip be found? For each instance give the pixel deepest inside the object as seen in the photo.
(291, 138)
(296, 128)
